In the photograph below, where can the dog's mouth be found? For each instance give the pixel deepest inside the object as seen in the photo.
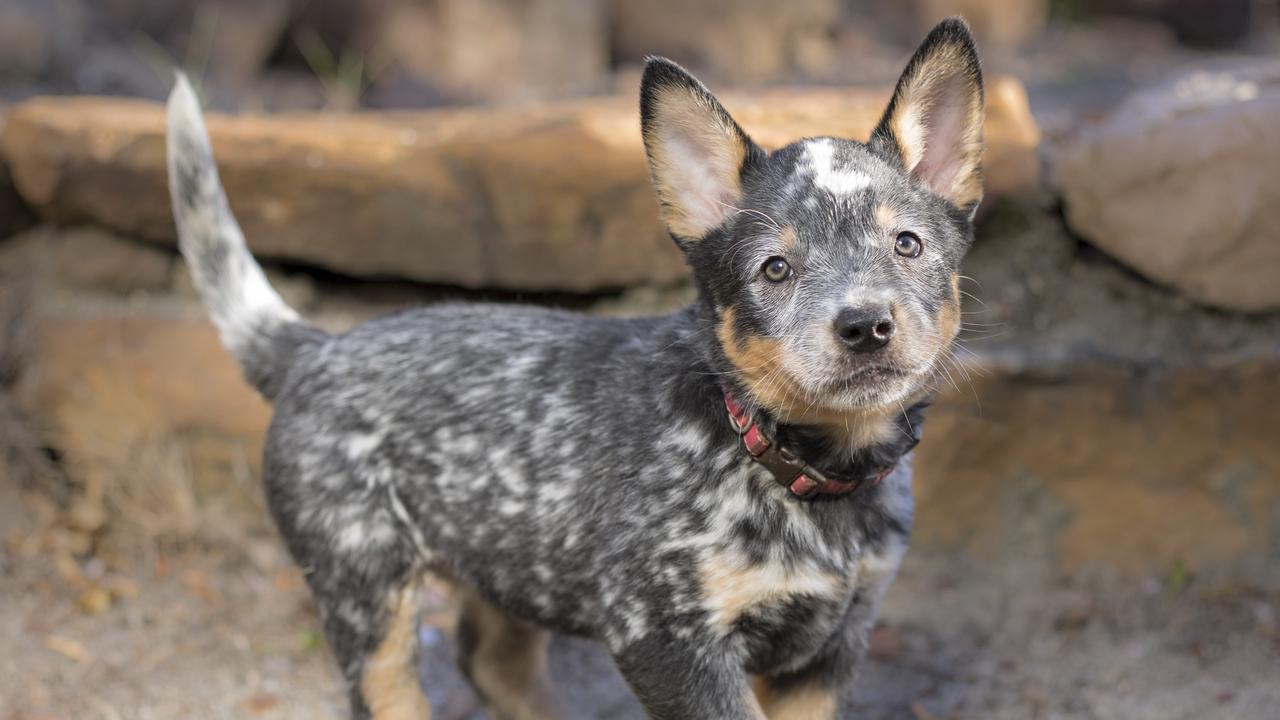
(868, 380)
(869, 386)
(873, 374)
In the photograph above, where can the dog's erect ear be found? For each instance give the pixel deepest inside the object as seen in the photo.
(934, 121)
(696, 152)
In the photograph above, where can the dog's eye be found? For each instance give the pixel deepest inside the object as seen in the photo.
(908, 245)
(776, 270)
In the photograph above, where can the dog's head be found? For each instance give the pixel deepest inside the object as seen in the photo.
(830, 265)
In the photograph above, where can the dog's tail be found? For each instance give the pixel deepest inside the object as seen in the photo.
(257, 326)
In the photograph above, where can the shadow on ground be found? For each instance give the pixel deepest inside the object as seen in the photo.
(592, 689)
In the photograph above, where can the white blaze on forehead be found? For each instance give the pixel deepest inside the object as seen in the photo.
(819, 157)
(860, 295)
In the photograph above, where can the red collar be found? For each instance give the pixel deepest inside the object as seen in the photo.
(802, 479)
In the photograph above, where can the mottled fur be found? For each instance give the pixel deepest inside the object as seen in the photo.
(579, 474)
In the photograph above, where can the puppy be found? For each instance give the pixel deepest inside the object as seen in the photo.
(720, 496)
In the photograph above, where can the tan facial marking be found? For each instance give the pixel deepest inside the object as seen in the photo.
(760, 363)
(732, 585)
(886, 217)
(390, 680)
(805, 702)
(949, 315)
(788, 237)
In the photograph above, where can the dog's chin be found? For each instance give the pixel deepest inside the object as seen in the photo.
(871, 389)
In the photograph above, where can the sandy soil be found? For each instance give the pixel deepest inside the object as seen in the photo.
(211, 631)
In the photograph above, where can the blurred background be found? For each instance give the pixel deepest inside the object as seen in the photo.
(1099, 485)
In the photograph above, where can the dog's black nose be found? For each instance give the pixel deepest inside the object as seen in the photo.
(864, 329)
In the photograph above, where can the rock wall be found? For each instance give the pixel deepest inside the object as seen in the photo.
(1180, 183)
(549, 197)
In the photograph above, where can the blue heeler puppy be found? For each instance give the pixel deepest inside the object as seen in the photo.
(720, 496)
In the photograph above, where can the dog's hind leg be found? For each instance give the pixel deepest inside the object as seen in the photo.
(373, 634)
(367, 586)
(506, 660)
(389, 681)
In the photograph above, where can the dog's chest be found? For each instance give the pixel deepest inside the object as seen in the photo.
(782, 601)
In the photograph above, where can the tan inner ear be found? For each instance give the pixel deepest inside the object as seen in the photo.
(696, 156)
(909, 132)
(919, 109)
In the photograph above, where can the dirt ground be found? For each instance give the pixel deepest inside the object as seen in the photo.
(225, 630)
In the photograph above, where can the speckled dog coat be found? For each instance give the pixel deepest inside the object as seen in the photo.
(581, 474)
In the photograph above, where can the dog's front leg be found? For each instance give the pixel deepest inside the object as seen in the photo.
(805, 699)
(813, 692)
(682, 679)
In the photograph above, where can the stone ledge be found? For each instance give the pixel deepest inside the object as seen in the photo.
(549, 197)
(1179, 183)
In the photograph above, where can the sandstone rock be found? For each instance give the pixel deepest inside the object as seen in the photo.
(248, 31)
(1199, 23)
(13, 213)
(544, 197)
(231, 40)
(1184, 471)
(88, 258)
(752, 41)
(501, 49)
(1180, 184)
(116, 383)
(998, 23)
(238, 37)
(37, 35)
